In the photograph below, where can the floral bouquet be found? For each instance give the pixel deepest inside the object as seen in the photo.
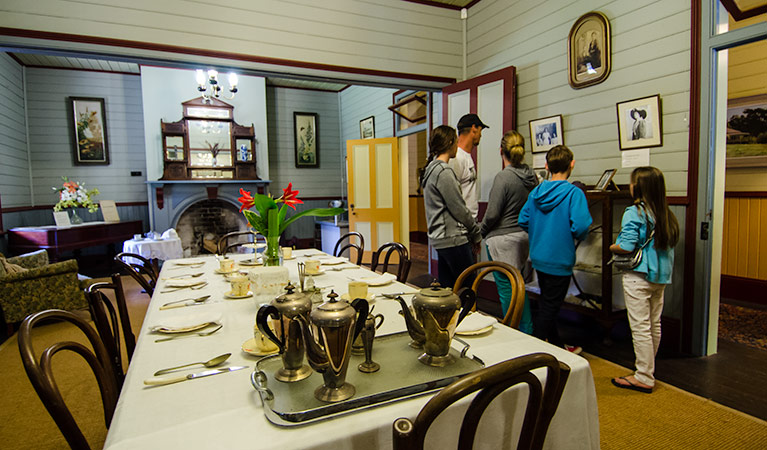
(270, 220)
(74, 195)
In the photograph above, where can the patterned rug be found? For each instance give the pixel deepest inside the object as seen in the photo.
(743, 325)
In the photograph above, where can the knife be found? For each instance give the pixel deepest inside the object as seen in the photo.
(159, 381)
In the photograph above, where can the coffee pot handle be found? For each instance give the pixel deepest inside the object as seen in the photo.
(262, 318)
(467, 297)
(361, 306)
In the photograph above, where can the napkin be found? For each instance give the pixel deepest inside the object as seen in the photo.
(186, 322)
(189, 262)
(331, 260)
(378, 280)
(184, 282)
(475, 322)
(170, 233)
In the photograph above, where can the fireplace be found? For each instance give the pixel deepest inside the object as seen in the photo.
(199, 210)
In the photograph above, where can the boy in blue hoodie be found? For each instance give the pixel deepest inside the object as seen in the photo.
(555, 214)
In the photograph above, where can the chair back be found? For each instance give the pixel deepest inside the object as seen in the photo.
(341, 247)
(41, 374)
(389, 248)
(109, 319)
(490, 382)
(517, 301)
(141, 269)
(224, 246)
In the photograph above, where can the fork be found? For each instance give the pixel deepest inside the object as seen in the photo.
(202, 333)
(193, 287)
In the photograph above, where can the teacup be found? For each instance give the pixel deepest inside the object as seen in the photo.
(312, 266)
(240, 285)
(226, 265)
(287, 252)
(137, 237)
(358, 289)
(263, 344)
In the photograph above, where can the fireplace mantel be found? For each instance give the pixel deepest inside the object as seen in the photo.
(168, 199)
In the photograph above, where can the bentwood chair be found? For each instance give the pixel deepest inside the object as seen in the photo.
(141, 269)
(341, 247)
(109, 319)
(224, 245)
(490, 382)
(41, 374)
(517, 301)
(403, 267)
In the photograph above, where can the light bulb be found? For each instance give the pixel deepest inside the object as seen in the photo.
(232, 80)
(200, 77)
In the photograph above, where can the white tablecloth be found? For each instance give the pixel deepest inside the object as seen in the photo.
(224, 411)
(163, 249)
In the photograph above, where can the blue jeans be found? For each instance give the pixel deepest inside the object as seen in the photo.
(504, 293)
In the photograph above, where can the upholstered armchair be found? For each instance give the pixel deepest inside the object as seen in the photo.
(42, 286)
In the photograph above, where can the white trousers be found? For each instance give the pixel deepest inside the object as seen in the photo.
(644, 304)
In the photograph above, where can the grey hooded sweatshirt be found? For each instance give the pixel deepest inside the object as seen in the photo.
(507, 196)
(448, 219)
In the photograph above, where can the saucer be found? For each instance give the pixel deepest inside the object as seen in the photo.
(371, 297)
(319, 272)
(229, 295)
(475, 332)
(288, 259)
(251, 348)
(220, 272)
(250, 262)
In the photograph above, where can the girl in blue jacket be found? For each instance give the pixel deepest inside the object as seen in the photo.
(644, 285)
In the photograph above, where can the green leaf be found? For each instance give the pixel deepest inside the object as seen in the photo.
(283, 213)
(274, 225)
(318, 212)
(255, 221)
(263, 204)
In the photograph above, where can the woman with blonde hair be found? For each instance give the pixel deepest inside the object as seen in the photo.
(506, 241)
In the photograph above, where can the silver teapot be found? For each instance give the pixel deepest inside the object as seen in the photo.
(334, 326)
(435, 314)
(285, 311)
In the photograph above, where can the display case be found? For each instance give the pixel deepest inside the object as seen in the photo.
(208, 144)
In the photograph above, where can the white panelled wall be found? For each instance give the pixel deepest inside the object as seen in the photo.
(14, 169)
(650, 55)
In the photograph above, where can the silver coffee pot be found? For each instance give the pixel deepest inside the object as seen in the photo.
(334, 326)
(285, 311)
(432, 322)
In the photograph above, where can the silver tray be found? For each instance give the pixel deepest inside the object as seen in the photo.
(401, 376)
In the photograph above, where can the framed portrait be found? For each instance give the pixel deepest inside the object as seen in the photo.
(588, 50)
(368, 128)
(639, 123)
(89, 131)
(306, 138)
(747, 131)
(605, 179)
(546, 133)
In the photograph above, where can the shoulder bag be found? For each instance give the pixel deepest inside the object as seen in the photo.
(629, 261)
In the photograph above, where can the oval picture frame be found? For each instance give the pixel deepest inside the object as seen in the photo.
(588, 50)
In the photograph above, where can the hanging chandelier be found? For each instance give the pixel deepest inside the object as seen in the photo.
(209, 86)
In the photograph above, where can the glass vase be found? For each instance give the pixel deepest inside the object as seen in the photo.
(272, 255)
(75, 219)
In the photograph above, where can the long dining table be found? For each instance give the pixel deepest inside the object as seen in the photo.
(225, 411)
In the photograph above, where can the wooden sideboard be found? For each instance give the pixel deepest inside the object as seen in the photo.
(57, 240)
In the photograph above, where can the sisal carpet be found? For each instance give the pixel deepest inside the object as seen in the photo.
(667, 419)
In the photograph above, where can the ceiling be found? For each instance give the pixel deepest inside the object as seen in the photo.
(105, 65)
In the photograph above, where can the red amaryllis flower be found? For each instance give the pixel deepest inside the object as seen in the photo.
(289, 196)
(246, 199)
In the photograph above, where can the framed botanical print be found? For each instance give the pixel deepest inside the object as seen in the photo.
(89, 131)
(639, 123)
(588, 50)
(306, 139)
(546, 133)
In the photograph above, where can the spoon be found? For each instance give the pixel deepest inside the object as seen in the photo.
(209, 363)
(191, 275)
(202, 333)
(196, 300)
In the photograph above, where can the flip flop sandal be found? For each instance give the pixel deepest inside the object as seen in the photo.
(630, 385)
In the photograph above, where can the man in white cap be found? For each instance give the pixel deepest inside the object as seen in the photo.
(469, 133)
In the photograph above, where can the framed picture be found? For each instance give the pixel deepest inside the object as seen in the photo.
(588, 50)
(546, 133)
(368, 128)
(307, 144)
(89, 131)
(639, 123)
(605, 180)
(747, 131)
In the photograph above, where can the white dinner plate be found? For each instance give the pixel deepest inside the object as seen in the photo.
(333, 261)
(250, 262)
(173, 330)
(188, 262)
(475, 332)
(378, 280)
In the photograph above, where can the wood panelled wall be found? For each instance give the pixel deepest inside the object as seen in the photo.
(359, 102)
(383, 35)
(323, 181)
(744, 246)
(14, 168)
(50, 134)
(650, 55)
